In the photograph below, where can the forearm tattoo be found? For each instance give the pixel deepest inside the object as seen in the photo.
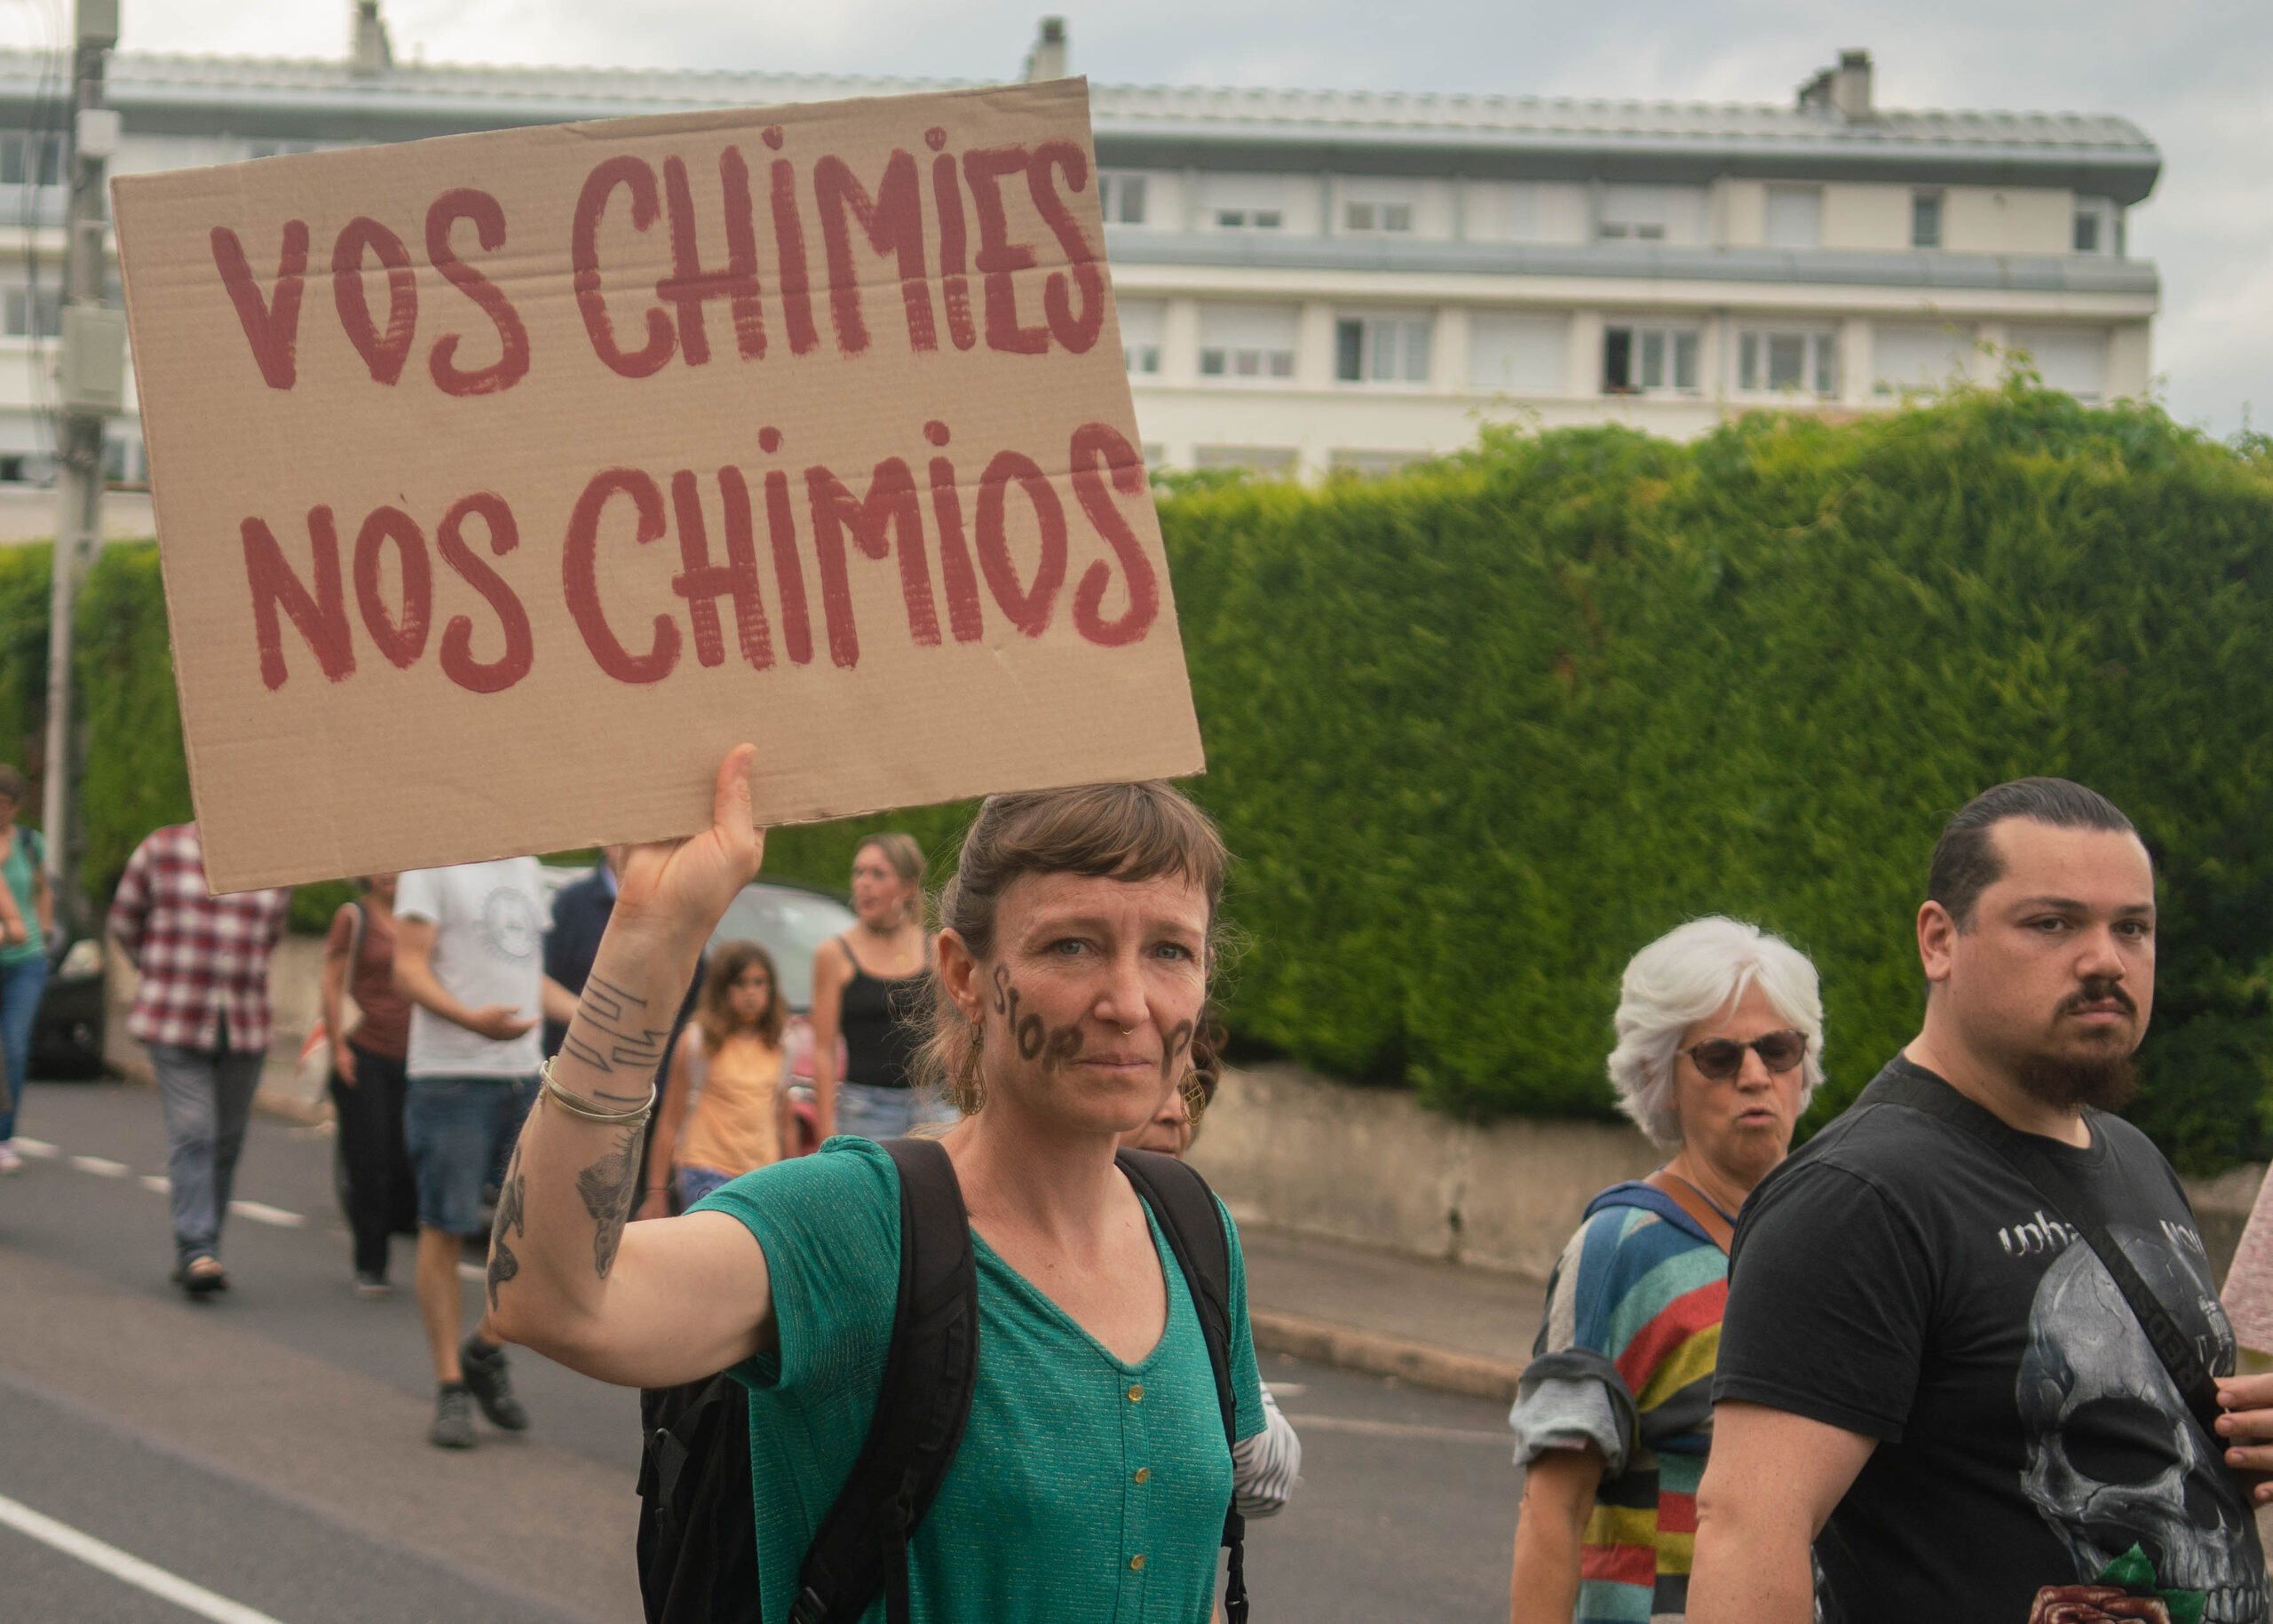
(502, 1264)
(609, 1186)
(610, 1034)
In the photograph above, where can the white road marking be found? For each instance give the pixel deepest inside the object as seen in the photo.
(261, 1212)
(1288, 1390)
(158, 1183)
(39, 1150)
(102, 1166)
(1397, 1429)
(133, 1569)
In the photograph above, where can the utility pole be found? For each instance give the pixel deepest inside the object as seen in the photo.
(92, 379)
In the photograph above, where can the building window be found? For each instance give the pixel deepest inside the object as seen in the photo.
(26, 159)
(1521, 354)
(1141, 323)
(123, 462)
(23, 316)
(1376, 217)
(1925, 219)
(1254, 459)
(1916, 356)
(2097, 228)
(1251, 342)
(1645, 360)
(1366, 465)
(1121, 197)
(1795, 218)
(2069, 358)
(1649, 214)
(1382, 349)
(1787, 363)
(1243, 202)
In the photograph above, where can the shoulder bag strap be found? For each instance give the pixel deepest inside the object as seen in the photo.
(930, 1374)
(1678, 1190)
(1193, 1225)
(2172, 1345)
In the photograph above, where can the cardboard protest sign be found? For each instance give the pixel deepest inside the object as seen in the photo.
(504, 481)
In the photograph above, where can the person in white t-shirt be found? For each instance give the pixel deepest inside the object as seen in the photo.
(469, 954)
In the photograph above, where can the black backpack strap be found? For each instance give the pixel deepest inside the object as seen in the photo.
(2172, 1345)
(1185, 1209)
(930, 1374)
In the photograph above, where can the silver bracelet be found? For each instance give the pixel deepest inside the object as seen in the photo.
(548, 1087)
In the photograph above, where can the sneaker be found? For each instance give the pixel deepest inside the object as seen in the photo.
(371, 1284)
(491, 1387)
(453, 1427)
(9, 1163)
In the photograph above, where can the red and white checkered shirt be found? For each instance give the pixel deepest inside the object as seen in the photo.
(203, 958)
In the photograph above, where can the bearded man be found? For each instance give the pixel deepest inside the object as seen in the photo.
(1927, 1372)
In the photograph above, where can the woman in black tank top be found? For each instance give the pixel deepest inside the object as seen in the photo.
(867, 991)
(877, 1020)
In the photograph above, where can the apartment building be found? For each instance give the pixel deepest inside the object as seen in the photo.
(1312, 281)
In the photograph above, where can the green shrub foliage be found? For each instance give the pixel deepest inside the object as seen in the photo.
(1479, 732)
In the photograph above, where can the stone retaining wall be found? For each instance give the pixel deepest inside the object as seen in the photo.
(1298, 1152)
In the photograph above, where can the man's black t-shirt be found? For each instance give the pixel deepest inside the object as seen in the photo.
(1899, 1278)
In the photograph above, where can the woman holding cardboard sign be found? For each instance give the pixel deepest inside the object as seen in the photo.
(1072, 972)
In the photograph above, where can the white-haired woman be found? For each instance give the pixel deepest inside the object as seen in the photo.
(1720, 1045)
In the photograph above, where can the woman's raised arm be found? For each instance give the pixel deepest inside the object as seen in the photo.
(664, 1302)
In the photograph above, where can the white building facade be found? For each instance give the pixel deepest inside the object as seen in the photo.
(1312, 281)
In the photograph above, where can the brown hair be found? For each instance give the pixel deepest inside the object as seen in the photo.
(907, 860)
(14, 784)
(1130, 832)
(714, 1014)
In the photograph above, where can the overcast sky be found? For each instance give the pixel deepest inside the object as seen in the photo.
(2196, 76)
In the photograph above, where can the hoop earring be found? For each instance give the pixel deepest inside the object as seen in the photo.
(1195, 1094)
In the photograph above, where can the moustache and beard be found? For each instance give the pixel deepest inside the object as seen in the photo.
(2069, 1082)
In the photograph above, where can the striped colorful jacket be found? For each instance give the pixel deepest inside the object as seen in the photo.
(1624, 1360)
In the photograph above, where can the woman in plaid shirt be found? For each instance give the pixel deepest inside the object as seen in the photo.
(202, 1007)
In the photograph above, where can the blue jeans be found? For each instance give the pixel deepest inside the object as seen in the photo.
(20, 985)
(456, 1127)
(694, 1183)
(206, 1095)
(886, 1113)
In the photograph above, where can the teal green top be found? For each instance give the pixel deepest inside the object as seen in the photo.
(1042, 1517)
(22, 865)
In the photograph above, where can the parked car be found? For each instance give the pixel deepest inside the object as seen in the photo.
(67, 1032)
(790, 921)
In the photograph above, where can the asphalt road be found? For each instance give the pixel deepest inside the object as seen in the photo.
(261, 1459)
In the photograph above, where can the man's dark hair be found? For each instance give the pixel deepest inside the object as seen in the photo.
(1965, 858)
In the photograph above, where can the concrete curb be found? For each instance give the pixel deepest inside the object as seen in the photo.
(1346, 1347)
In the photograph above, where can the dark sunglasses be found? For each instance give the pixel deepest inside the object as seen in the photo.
(1718, 1059)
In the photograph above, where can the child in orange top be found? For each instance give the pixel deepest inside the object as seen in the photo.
(726, 1108)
